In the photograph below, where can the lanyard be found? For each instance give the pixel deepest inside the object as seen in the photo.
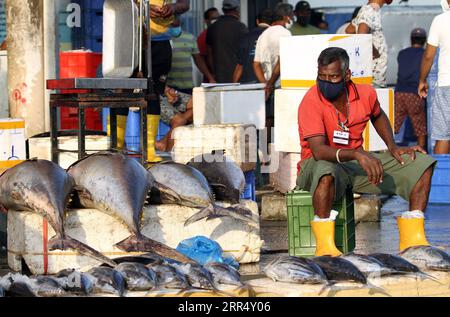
(343, 125)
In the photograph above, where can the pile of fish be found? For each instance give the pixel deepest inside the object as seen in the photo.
(146, 273)
(358, 268)
(119, 186)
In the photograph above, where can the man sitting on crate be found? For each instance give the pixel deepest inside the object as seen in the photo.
(332, 118)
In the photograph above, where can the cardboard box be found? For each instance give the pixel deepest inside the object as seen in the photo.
(232, 104)
(12, 142)
(287, 102)
(299, 56)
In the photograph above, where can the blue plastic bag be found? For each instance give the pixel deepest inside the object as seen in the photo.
(204, 250)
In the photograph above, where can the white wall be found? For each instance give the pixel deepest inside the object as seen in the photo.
(354, 3)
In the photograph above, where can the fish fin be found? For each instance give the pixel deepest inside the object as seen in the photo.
(207, 212)
(218, 185)
(168, 191)
(64, 243)
(427, 276)
(373, 289)
(144, 244)
(238, 213)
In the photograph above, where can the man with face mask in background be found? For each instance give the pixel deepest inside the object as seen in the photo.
(267, 55)
(302, 26)
(439, 37)
(184, 49)
(332, 118)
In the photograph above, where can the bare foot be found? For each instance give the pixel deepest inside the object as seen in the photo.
(160, 146)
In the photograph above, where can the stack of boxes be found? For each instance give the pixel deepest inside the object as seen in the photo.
(90, 34)
(226, 118)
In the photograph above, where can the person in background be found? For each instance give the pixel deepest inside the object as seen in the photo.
(244, 72)
(267, 55)
(368, 21)
(223, 38)
(318, 20)
(162, 14)
(176, 111)
(184, 48)
(303, 25)
(407, 102)
(211, 15)
(439, 37)
(332, 118)
(348, 27)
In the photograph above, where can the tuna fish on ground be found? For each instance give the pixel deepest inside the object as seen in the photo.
(137, 276)
(224, 274)
(17, 285)
(107, 281)
(2, 292)
(118, 186)
(339, 269)
(186, 186)
(168, 277)
(224, 176)
(428, 257)
(290, 269)
(368, 265)
(44, 188)
(197, 276)
(75, 282)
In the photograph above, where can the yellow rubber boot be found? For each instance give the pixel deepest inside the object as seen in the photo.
(324, 233)
(152, 132)
(412, 232)
(121, 127)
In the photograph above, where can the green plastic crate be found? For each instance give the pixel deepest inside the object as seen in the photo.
(300, 214)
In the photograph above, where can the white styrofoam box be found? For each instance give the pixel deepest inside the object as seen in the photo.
(244, 104)
(287, 102)
(284, 179)
(372, 141)
(301, 72)
(4, 106)
(164, 223)
(42, 148)
(238, 140)
(12, 142)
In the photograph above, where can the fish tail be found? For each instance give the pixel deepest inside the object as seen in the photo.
(64, 243)
(376, 289)
(141, 243)
(207, 212)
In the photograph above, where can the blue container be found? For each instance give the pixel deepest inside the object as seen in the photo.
(440, 184)
(133, 131)
(93, 24)
(250, 186)
(162, 130)
(105, 115)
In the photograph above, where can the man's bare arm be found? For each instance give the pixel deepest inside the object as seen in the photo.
(257, 67)
(427, 63)
(237, 75)
(202, 67)
(363, 28)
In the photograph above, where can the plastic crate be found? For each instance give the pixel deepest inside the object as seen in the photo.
(90, 4)
(163, 130)
(69, 119)
(79, 65)
(440, 183)
(301, 239)
(250, 186)
(93, 24)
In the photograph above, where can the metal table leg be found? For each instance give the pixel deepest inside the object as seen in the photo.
(144, 143)
(54, 133)
(113, 128)
(81, 133)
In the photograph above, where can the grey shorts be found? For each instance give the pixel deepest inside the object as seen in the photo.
(168, 110)
(440, 119)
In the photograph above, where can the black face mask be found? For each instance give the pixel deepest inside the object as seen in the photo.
(331, 91)
(304, 20)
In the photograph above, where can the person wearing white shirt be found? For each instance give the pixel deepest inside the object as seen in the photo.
(439, 37)
(267, 55)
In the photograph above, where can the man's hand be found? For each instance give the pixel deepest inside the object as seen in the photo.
(155, 11)
(411, 151)
(371, 165)
(168, 10)
(423, 89)
(269, 90)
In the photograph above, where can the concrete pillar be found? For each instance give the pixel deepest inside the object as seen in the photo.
(51, 50)
(26, 85)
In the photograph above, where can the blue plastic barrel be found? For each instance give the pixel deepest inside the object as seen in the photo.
(440, 183)
(133, 131)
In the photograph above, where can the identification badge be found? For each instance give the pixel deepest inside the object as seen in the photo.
(340, 137)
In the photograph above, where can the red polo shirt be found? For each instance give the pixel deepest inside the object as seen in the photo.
(317, 116)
